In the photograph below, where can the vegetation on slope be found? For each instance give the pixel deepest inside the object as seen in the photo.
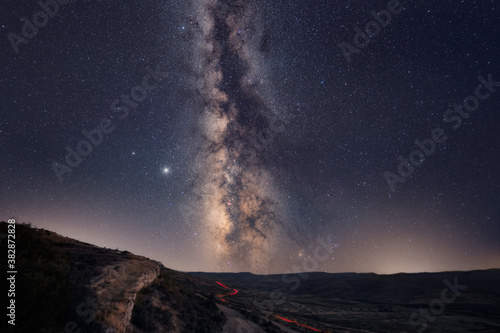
(171, 303)
(42, 286)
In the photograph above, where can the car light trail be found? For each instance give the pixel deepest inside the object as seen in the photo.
(295, 322)
(235, 291)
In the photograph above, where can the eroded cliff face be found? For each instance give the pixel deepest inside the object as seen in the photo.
(89, 289)
(116, 289)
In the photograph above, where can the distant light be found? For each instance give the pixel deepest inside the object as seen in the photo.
(166, 170)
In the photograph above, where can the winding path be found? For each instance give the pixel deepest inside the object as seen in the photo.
(235, 291)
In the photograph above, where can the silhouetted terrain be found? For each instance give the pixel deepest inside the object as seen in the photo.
(482, 286)
(64, 285)
(352, 302)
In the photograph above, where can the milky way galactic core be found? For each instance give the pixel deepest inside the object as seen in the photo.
(240, 205)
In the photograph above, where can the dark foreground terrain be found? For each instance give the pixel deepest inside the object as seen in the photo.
(350, 302)
(64, 285)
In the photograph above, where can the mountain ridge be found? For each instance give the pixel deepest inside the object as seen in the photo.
(65, 285)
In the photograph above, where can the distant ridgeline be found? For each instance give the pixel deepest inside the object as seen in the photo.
(64, 285)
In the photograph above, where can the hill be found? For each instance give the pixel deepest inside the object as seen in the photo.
(354, 302)
(64, 285)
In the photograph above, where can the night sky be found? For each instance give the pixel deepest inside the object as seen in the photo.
(262, 136)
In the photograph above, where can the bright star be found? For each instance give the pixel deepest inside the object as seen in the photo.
(166, 170)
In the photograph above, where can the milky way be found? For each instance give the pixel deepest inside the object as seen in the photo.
(239, 204)
(248, 189)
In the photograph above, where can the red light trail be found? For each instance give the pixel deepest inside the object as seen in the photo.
(295, 322)
(281, 318)
(231, 294)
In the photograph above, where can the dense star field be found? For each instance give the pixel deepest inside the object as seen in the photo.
(262, 136)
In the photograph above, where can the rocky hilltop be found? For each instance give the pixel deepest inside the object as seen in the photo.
(64, 285)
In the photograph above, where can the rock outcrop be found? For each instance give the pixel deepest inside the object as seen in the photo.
(116, 289)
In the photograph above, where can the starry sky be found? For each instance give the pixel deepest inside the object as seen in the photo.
(261, 136)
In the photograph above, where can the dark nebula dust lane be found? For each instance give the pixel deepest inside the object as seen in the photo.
(239, 204)
(261, 141)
